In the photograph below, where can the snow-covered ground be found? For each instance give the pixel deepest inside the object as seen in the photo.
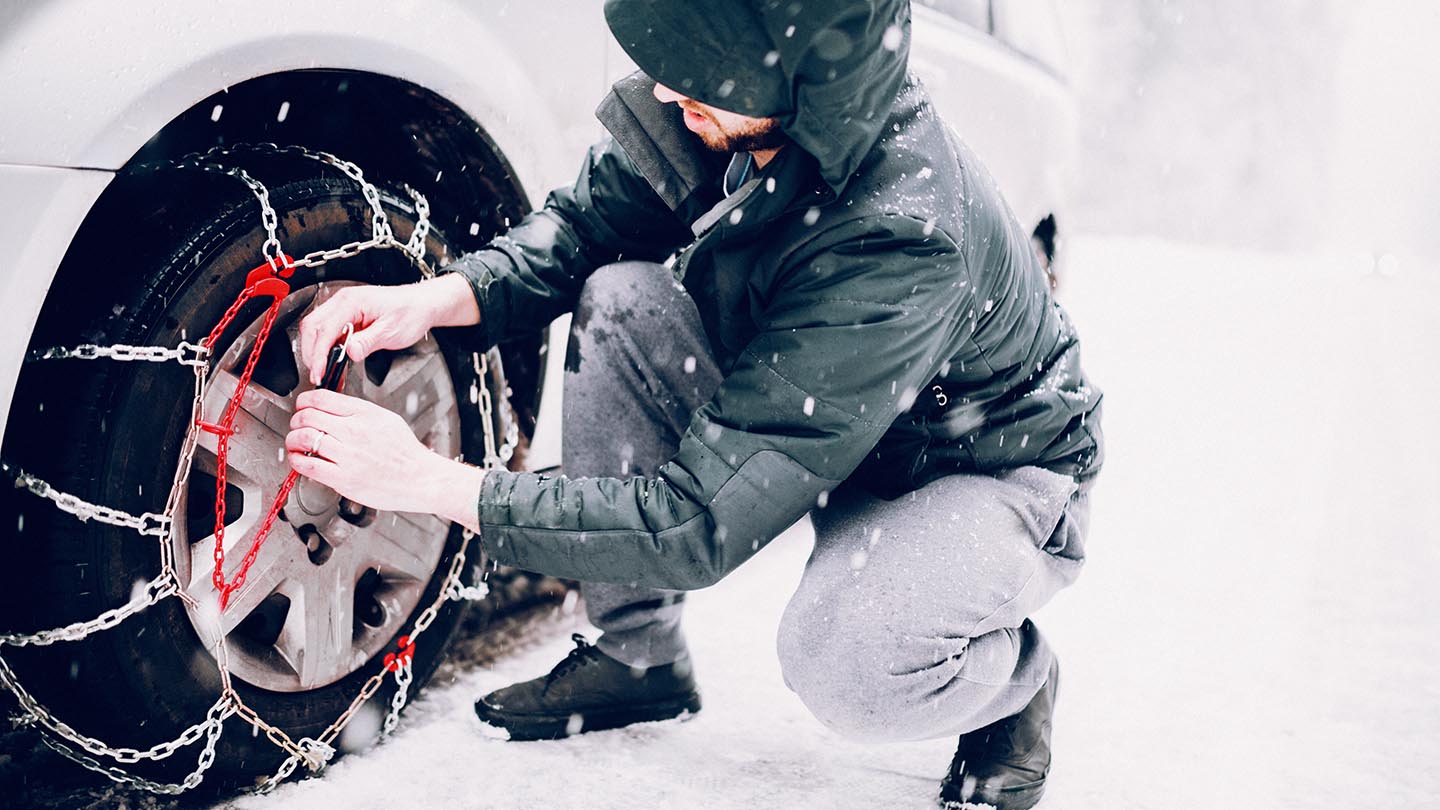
(1258, 625)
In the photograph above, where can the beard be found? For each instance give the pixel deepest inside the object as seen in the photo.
(765, 134)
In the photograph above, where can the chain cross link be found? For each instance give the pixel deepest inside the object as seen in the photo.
(381, 234)
(186, 354)
(154, 590)
(211, 727)
(149, 523)
(42, 717)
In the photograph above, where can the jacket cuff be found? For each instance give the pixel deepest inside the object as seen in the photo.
(489, 508)
(488, 299)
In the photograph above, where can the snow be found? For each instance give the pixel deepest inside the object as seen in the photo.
(1256, 627)
(892, 38)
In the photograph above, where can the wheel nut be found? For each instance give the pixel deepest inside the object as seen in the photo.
(315, 546)
(357, 514)
(373, 614)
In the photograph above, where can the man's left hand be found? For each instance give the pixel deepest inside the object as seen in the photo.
(363, 452)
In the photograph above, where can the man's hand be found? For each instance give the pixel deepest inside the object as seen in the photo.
(369, 455)
(384, 318)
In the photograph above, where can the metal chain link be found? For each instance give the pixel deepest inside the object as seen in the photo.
(211, 726)
(154, 590)
(468, 593)
(148, 523)
(381, 234)
(38, 715)
(483, 402)
(314, 753)
(182, 473)
(415, 246)
(458, 590)
(192, 780)
(186, 354)
(397, 701)
(379, 223)
(506, 449)
(269, 220)
(272, 733)
(317, 754)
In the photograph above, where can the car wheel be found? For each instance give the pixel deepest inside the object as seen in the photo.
(336, 584)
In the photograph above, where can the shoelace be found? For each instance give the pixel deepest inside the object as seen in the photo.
(583, 653)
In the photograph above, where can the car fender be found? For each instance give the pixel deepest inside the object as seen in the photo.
(142, 67)
(1019, 117)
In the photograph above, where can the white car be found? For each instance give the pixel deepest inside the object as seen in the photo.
(115, 239)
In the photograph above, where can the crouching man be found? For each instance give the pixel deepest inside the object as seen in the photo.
(794, 291)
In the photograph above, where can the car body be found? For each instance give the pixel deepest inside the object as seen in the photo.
(997, 70)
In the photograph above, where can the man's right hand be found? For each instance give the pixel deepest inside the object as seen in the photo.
(384, 318)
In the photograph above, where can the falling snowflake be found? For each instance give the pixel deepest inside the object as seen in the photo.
(892, 38)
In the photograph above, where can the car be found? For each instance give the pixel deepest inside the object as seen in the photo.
(998, 72)
(153, 177)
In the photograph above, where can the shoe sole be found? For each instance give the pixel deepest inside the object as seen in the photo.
(1021, 797)
(529, 727)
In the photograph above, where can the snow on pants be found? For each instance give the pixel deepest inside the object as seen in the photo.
(910, 621)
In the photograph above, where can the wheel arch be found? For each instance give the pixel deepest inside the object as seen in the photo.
(141, 65)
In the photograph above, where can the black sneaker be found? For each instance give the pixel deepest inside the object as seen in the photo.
(590, 691)
(1003, 765)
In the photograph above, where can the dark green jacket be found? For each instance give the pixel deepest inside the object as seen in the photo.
(878, 313)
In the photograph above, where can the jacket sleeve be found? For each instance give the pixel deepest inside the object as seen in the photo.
(806, 401)
(533, 273)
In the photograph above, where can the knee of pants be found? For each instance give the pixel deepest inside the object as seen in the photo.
(613, 292)
(619, 304)
(865, 680)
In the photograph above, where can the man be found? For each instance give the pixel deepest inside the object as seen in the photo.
(853, 326)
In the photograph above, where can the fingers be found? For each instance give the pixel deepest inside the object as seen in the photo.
(318, 332)
(324, 327)
(362, 342)
(311, 441)
(319, 420)
(330, 417)
(315, 468)
(332, 402)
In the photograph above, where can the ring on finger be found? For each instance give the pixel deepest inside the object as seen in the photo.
(315, 444)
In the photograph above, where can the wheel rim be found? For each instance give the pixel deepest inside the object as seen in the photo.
(334, 581)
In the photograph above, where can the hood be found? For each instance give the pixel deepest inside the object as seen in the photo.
(828, 69)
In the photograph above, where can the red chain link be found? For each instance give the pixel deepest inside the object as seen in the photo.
(281, 497)
(262, 281)
(395, 660)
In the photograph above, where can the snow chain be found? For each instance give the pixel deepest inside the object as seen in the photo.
(313, 753)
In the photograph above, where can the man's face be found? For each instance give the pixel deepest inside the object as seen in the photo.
(724, 131)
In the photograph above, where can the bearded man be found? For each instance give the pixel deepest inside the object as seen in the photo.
(795, 292)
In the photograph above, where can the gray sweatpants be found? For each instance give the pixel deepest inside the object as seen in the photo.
(910, 618)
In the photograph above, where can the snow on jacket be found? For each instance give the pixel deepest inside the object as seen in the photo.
(877, 311)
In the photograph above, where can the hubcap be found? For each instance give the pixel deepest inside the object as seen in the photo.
(335, 580)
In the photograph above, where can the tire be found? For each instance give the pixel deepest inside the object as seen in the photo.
(111, 436)
(1047, 248)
